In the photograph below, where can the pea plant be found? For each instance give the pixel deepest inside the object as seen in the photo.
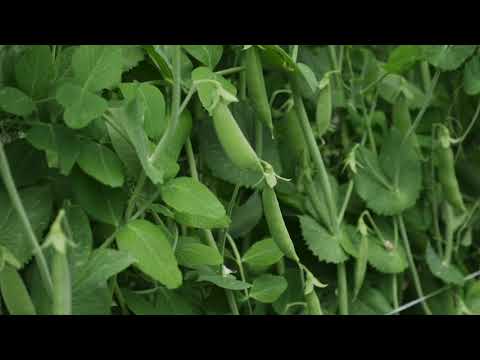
(239, 180)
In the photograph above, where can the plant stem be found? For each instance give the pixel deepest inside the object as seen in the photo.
(314, 150)
(342, 289)
(426, 78)
(238, 260)
(449, 230)
(413, 268)
(230, 71)
(18, 206)
(176, 97)
(136, 192)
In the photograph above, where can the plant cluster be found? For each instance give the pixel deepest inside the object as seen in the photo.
(239, 179)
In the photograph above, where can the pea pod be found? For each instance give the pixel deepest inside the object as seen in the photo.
(256, 86)
(292, 134)
(446, 170)
(323, 112)
(361, 265)
(14, 293)
(402, 119)
(233, 141)
(276, 225)
(62, 293)
(313, 303)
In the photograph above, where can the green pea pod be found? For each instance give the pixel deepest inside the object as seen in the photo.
(292, 134)
(276, 225)
(361, 265)
(233, 141)
(446, 171)
(313, 303)
(256, 86)
(402, 119)
(62, 287)
(14, 293)
(323, 113)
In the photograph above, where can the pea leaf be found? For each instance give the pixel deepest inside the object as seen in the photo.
(59, 140)
(323, 244)
(471, 76)
(208, 55)
(155, 121)
(14, 292)
(246, 216)
(194, 204)
(293, 294)
(393, 86)
(132, 55)
(447, 57)
(385, 259)
(472, 297)
(101, 163)
(167, 302)
(209, 85)
(97, 67)
(92, 301)
(160, 60)
(34, 71)
(190, 252)
(101, 266)
(87, 193)
(152, 249)
(392, 182)
(81, 106)
(268, 288)
(16, 102)
(448, 273)
(37, 201)
(402, 58)
(125, 151)
(263, 253)
(226, 282)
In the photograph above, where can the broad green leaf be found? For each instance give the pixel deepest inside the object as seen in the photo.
(167, 302)
(101, 163)
(97, 67)
(34, 71)
(402, 58)
(155, 121)
(370, 301)
(471, 76)
(263, 253)
(132, 55)
(16, 102)
(37, 202)
(386, 259)
(208, 55)
(152, 249)
(81, 236)
(92, 301)
(59, 140)
(393, 86)
(392, 182)
(324, 245)
(101, 266)
(125, 151)
(447, 57)
(446, 272)
(81, 106)
(87, 193)
(190, 252)
(226, 282)
(27, 164)
(194, 204)
(275, 57)
(246, 216)
(268, 288)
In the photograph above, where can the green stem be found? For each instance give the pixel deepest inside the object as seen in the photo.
(314, 150)
(426, 78)
(413, 268)
(449, 230)
(18, 206)
(238, 260)
(136, 192)
(232, 302)
(230, 71)
(341, 215)
(176, 97)
(342, 289)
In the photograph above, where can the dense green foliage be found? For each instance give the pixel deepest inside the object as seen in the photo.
(254, 179)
